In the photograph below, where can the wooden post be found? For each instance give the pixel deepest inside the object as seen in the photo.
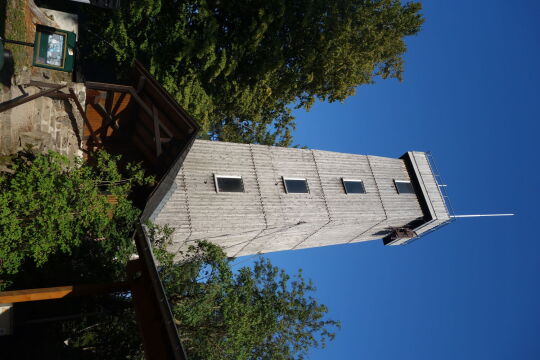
(83, 114)
(150, 322)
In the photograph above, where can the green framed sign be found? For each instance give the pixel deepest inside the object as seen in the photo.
(54, 49)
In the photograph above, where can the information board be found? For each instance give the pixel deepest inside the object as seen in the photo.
(54, 49)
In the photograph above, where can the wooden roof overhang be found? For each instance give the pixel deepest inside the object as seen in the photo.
(163, 133)
(140, 121)
(156, 321)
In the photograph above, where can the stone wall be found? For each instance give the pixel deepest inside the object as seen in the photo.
(42, 124)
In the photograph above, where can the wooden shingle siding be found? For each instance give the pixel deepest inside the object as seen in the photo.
(297, 163)
(335, 166)
(385, 171)
(278, 239)
(221, 211)
(270, 185)
(265, 218)
(339, 233)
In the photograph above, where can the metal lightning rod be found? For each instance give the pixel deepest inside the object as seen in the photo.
(479, 215)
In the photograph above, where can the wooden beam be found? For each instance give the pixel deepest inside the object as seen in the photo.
(141, 102)
(134, 94)
(151, 327)
(35, 294)
(157, 136)
(146, 123)
(107, 87)
(157, 88)
(59, 96)
(149, 296)
(169, 133)
(23, 100)
(150, 113)
(83, 114)
(143, 146)
(118, 104)
(107, 117)
(109, 98)
(59, 292)
(140, 84)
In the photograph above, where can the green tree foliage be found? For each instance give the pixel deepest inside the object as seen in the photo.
(257, 312)
(239, 66)
(51, 209)
(57, 227)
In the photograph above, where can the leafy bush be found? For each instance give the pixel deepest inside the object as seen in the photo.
(53, 208)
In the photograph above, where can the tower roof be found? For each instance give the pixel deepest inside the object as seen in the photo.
(431, 196)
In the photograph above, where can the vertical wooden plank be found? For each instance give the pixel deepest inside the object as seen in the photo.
(119, 101)
(140, 84)
(83, 115)
(109, 98)
(157, 136)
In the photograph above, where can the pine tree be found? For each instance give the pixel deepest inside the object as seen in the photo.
(240, 66)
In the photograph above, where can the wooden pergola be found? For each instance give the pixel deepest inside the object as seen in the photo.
(140, 121)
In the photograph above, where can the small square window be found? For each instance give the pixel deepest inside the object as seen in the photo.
(228, 183)
(404, 187)
(353, 186)
(295, 185)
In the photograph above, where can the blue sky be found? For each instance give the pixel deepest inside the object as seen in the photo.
(471, 289)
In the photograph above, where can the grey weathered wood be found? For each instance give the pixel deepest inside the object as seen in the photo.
(265, 218)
